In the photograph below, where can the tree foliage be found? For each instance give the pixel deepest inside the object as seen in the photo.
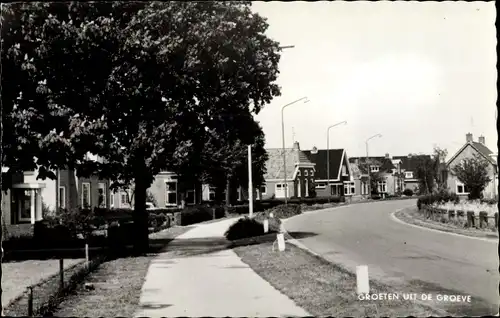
(138, 83)
(473, 172)
(426, 171)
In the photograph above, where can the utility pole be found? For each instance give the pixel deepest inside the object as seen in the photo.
(250, 185)
(328, 157)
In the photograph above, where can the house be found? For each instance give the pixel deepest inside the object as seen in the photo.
(468, 150)
(28, 198)
(335, 179)
(300, 174)
(385, 166)
(169, 189)
(398, 173)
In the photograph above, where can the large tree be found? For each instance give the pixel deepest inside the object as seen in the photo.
(135, 83)
(473, 172)
(426, 170)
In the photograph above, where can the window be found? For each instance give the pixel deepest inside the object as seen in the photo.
(312, 173)
(263, 190)
(171, 193)
(382, 186)
(25, 205)
(409, 175)
(320, 185)
(85, 195)
(62, 197)
(349, 188)
(364, 188)
(239, 194)
(102, 195)
(374, 168)
(462, 188)
(344, 171)
(298, 173)
(112, 200)
(306, 173)
(123, 198)
(190, 197)
(211, 194)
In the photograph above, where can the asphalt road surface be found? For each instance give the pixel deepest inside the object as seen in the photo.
(416, 260)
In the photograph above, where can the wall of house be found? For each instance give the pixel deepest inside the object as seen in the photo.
(94, 191)
(271, 189)
(67, 179)
(469, 152)
(48, 194)
(158, 189)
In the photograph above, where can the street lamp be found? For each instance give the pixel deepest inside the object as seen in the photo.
(283, 140)
(328, 155)
(368, 167)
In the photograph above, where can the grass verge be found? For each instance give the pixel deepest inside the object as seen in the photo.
(413, 216)
(116, 286)
(320, 287)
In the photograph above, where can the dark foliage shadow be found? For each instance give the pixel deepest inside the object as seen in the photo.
(301, 235)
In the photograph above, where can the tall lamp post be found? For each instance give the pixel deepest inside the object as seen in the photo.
(283, 141)
(328, 156)
(367, 165)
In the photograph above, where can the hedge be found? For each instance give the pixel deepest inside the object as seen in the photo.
(197, 214)
(244, 228)
(437, 198)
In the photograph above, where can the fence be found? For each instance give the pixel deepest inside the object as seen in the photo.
(468, 218)
(40, 299)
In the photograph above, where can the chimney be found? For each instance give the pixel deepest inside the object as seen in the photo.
(296, 146)
(357, 161)
(468, 137)
(482, 140)
(314, 150)
(387, 156)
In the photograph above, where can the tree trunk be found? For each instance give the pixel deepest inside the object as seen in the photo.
(228, 195)
(140, 216)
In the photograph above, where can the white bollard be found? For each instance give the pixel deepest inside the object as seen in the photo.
(87, 254)
(266, 226)
(281, 242)
(362, 280)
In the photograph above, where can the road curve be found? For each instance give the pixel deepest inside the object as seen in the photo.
(410, 257)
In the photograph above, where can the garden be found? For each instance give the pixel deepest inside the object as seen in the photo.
(447, 209)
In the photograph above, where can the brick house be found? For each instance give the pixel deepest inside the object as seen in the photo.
(468, 150)
(300, 174)
(27, 197)
(340, 181)
(398, 173)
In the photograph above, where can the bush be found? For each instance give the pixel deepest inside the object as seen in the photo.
(440, 197)
(285, 211)
(197, 214)
(238, 209)
(244, 228)
(408, 192)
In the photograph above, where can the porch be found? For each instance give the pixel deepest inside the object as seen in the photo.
(25, 203)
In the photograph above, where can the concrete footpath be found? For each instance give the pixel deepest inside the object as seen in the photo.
(198, 276)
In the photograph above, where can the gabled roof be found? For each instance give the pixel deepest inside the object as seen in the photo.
(320, 159)
(479, 147)
(409, 163)
(274, 163)
(385, 164)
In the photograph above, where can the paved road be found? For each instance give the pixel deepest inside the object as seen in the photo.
(425, 261)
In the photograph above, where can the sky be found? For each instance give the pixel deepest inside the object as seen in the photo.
(421, 74)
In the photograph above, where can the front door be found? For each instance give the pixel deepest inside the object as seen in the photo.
(280, 190)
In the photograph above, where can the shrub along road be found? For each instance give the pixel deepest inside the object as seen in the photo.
(412, 260)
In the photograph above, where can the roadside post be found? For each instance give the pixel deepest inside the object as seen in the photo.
(362, 280)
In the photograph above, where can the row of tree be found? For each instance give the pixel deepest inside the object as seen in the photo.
(147, 86)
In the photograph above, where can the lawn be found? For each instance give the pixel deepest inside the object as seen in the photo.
(322, 288)
(17, 276)
(116, 285)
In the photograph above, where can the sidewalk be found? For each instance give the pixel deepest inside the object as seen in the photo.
(198, 277)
